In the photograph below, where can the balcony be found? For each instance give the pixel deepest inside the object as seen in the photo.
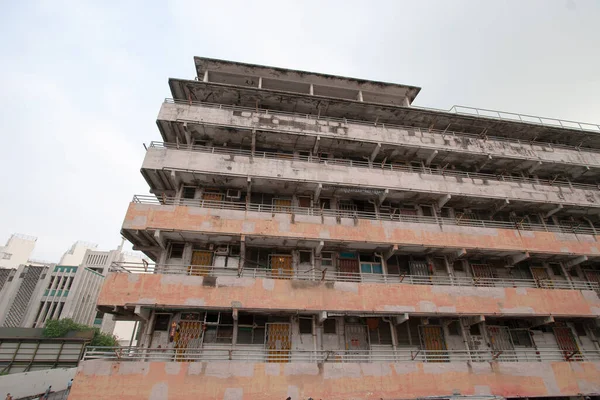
(396, 179)
(497, 152)
(315, 224)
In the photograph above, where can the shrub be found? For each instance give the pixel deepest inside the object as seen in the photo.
(59, 328)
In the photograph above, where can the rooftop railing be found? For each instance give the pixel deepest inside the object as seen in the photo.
(381, 216)
(459, 110)
(379, 166)
(231, 353)
(330, 274)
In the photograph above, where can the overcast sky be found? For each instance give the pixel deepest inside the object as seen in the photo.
(82, 82)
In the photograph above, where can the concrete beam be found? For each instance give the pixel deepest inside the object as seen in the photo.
(160, 239)
(375, 152)
(535, 166)
(400, 319)
(575, 261)
(468, 321)
(517, 258)
(442, 202)
(143, 313)
(383, 195)
(553, 211)
(316, 145)
(146, 248)
(318, 191)
(583, 171)
(460, 253)
(390, 252)
(539, 321)
(431, 157)
(321, 317)
(319, 248)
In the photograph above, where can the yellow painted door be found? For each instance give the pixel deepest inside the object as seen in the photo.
(540, 274)
(278, 342)
(281, 266)
(432, 339)
(282, 205)
(201, 263)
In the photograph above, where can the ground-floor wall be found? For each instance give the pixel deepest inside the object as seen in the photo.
(238, 380)
(36, 382)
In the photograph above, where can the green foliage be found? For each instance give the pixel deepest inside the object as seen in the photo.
(59, 328)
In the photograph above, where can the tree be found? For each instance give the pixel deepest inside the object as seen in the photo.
(60, 328)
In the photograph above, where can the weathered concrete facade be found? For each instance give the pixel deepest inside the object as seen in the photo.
(318, 236)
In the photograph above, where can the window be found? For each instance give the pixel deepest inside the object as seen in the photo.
(189, 192)
(326, 259)
(573, 273)
(521, 337)
(219, 328)
(70, 283)
(251, 329)
(51, 282)
(439, 264)
(6, 256)
(580, 329)
(329, 326)
(454, 328)
(408, 333)
(176, 250)
(161, 322)
(474, 330)
(379, 331)
(556, 269)
(305, 257)
(305, 325)
(458, 266)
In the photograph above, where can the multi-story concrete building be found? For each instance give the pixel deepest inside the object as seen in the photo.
(320, 236)
(17, 250)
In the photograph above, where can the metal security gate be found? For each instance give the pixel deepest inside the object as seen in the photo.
(201, 263)
(281, 266)
(278, 342)
(540, 274)
(501, 342)
(188, 334)
(592, 276)
(356, 338)
(432, 340)
(418, 268)
(567, 343)
(348, 267)
(482, 274)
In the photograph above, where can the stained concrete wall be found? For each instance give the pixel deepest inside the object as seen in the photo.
(36, 382)
(233, 222)
(300, 171)
(122, 289)
(407, 137)
(235, 381)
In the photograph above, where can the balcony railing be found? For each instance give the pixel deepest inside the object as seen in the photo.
(459, 110)
(381, 216)
(374, 165)
(333, 275)
(232, 353)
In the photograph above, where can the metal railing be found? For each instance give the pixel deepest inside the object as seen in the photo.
(530, 119)
(231, 353)
(381, 216)
(378, 166)
(333, 275)
(446, 133)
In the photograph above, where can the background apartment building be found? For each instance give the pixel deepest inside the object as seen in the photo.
(318, 236)
(32, 292)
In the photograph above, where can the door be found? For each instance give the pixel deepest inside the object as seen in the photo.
(282, 205)
(419, 271)
(540, 274)
(348, 268)
(567, 343)
(281, 266)
(201, 263)
(188, 335)
(278, 342)
(357, 342)
(482, 274)
(432, 340)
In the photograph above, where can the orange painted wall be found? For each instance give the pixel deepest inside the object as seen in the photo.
(143, 216)
(251, 381)
(180, 290)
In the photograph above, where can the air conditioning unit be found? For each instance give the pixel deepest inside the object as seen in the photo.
(222, 250)
(234, 194)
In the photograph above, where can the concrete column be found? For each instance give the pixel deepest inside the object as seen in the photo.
(465, 337)
(260, 82)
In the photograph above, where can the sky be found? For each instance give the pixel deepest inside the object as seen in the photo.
(82, 82)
